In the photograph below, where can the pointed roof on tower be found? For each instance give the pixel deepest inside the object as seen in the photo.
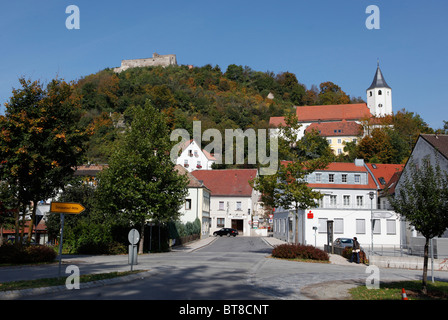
(378, 80)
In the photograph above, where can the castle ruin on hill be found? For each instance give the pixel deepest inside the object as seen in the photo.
(156, 60)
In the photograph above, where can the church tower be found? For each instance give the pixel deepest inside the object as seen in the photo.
(379, 95)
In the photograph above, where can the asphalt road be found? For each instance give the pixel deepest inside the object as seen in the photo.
(227, 269)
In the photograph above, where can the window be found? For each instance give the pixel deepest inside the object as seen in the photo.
(376, 226)
(338, 225)
(186, 165)
(359, 201)
(198, 165)
(339, 151)
(380, 92)
(331, 177)
(357, 178)
(329, 141)
(220, 222)
(187, 204)
(370, 93)
(344, 178)
(322, 225)
(318, 177)
(221, 205)
(333, 199)
(391, 226)
(190, 153)
(238, 205)
(360, 226)
(346, 200)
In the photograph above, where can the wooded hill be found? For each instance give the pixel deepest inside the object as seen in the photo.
(238, 97)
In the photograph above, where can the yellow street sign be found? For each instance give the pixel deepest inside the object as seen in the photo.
(66, 207)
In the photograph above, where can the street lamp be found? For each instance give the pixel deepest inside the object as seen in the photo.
(371, 196)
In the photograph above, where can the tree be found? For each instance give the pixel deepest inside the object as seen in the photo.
(288, 188)
(422, 198)
(41, 143)
(141, 183)
(331, 93)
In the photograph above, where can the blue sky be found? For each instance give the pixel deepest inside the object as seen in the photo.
(319, 40)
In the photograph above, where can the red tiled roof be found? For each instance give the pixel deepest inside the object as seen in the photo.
(384, 172)
(327, 113)
(339, 128)
(229, 182)
(41, 228)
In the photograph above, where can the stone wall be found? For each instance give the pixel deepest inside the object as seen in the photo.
(156, 60)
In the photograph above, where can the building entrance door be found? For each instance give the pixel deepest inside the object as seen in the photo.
(237, 224)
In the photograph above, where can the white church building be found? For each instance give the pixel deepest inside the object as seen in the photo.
(328, 117)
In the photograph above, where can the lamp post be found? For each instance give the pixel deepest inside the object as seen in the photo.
(371, 196)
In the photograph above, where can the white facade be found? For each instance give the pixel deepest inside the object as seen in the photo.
(379, 96)
(232, 212)
(197, 206)
(347, 202)
(193, 158)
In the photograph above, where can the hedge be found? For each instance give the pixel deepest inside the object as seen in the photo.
(299, 251)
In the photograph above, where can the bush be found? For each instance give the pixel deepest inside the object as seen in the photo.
(347, 253)
(299, 251)
(26, 254)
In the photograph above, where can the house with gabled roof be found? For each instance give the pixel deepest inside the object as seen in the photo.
(338, 133)
(434, 146)
(192, 157)
(233, 201)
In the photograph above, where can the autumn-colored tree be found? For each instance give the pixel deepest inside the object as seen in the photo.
(41, 143)
(331, 93)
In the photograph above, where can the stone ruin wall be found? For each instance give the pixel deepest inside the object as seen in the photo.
(156, 60)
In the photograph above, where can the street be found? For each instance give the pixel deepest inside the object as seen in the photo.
(227, 269)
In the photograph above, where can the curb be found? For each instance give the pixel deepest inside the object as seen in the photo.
(17, 294)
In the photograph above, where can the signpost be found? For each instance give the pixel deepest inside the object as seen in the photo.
(133, 238)
(64, 208)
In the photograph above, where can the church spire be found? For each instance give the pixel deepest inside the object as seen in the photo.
(378, 79)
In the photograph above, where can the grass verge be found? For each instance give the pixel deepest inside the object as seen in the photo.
(49, 282)
(393, 291)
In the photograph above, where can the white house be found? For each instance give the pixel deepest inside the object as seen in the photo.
(234, 202)
(436, 148)
(193, 158)
(197, 202)
(350, 200)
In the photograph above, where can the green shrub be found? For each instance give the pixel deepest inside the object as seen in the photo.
(299, 251)
(26, 254)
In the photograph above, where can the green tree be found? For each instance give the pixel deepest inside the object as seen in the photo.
(141, 183)
(331, 93)
(41, 143)
(422, 199)
(288, 188)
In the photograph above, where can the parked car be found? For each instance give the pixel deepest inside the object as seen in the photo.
(343, 243)
(226, 231)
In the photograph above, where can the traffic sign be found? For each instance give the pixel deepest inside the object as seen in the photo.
(66, 207)
(133, 236)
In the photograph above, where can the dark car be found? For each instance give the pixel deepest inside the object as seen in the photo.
(226, 231)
